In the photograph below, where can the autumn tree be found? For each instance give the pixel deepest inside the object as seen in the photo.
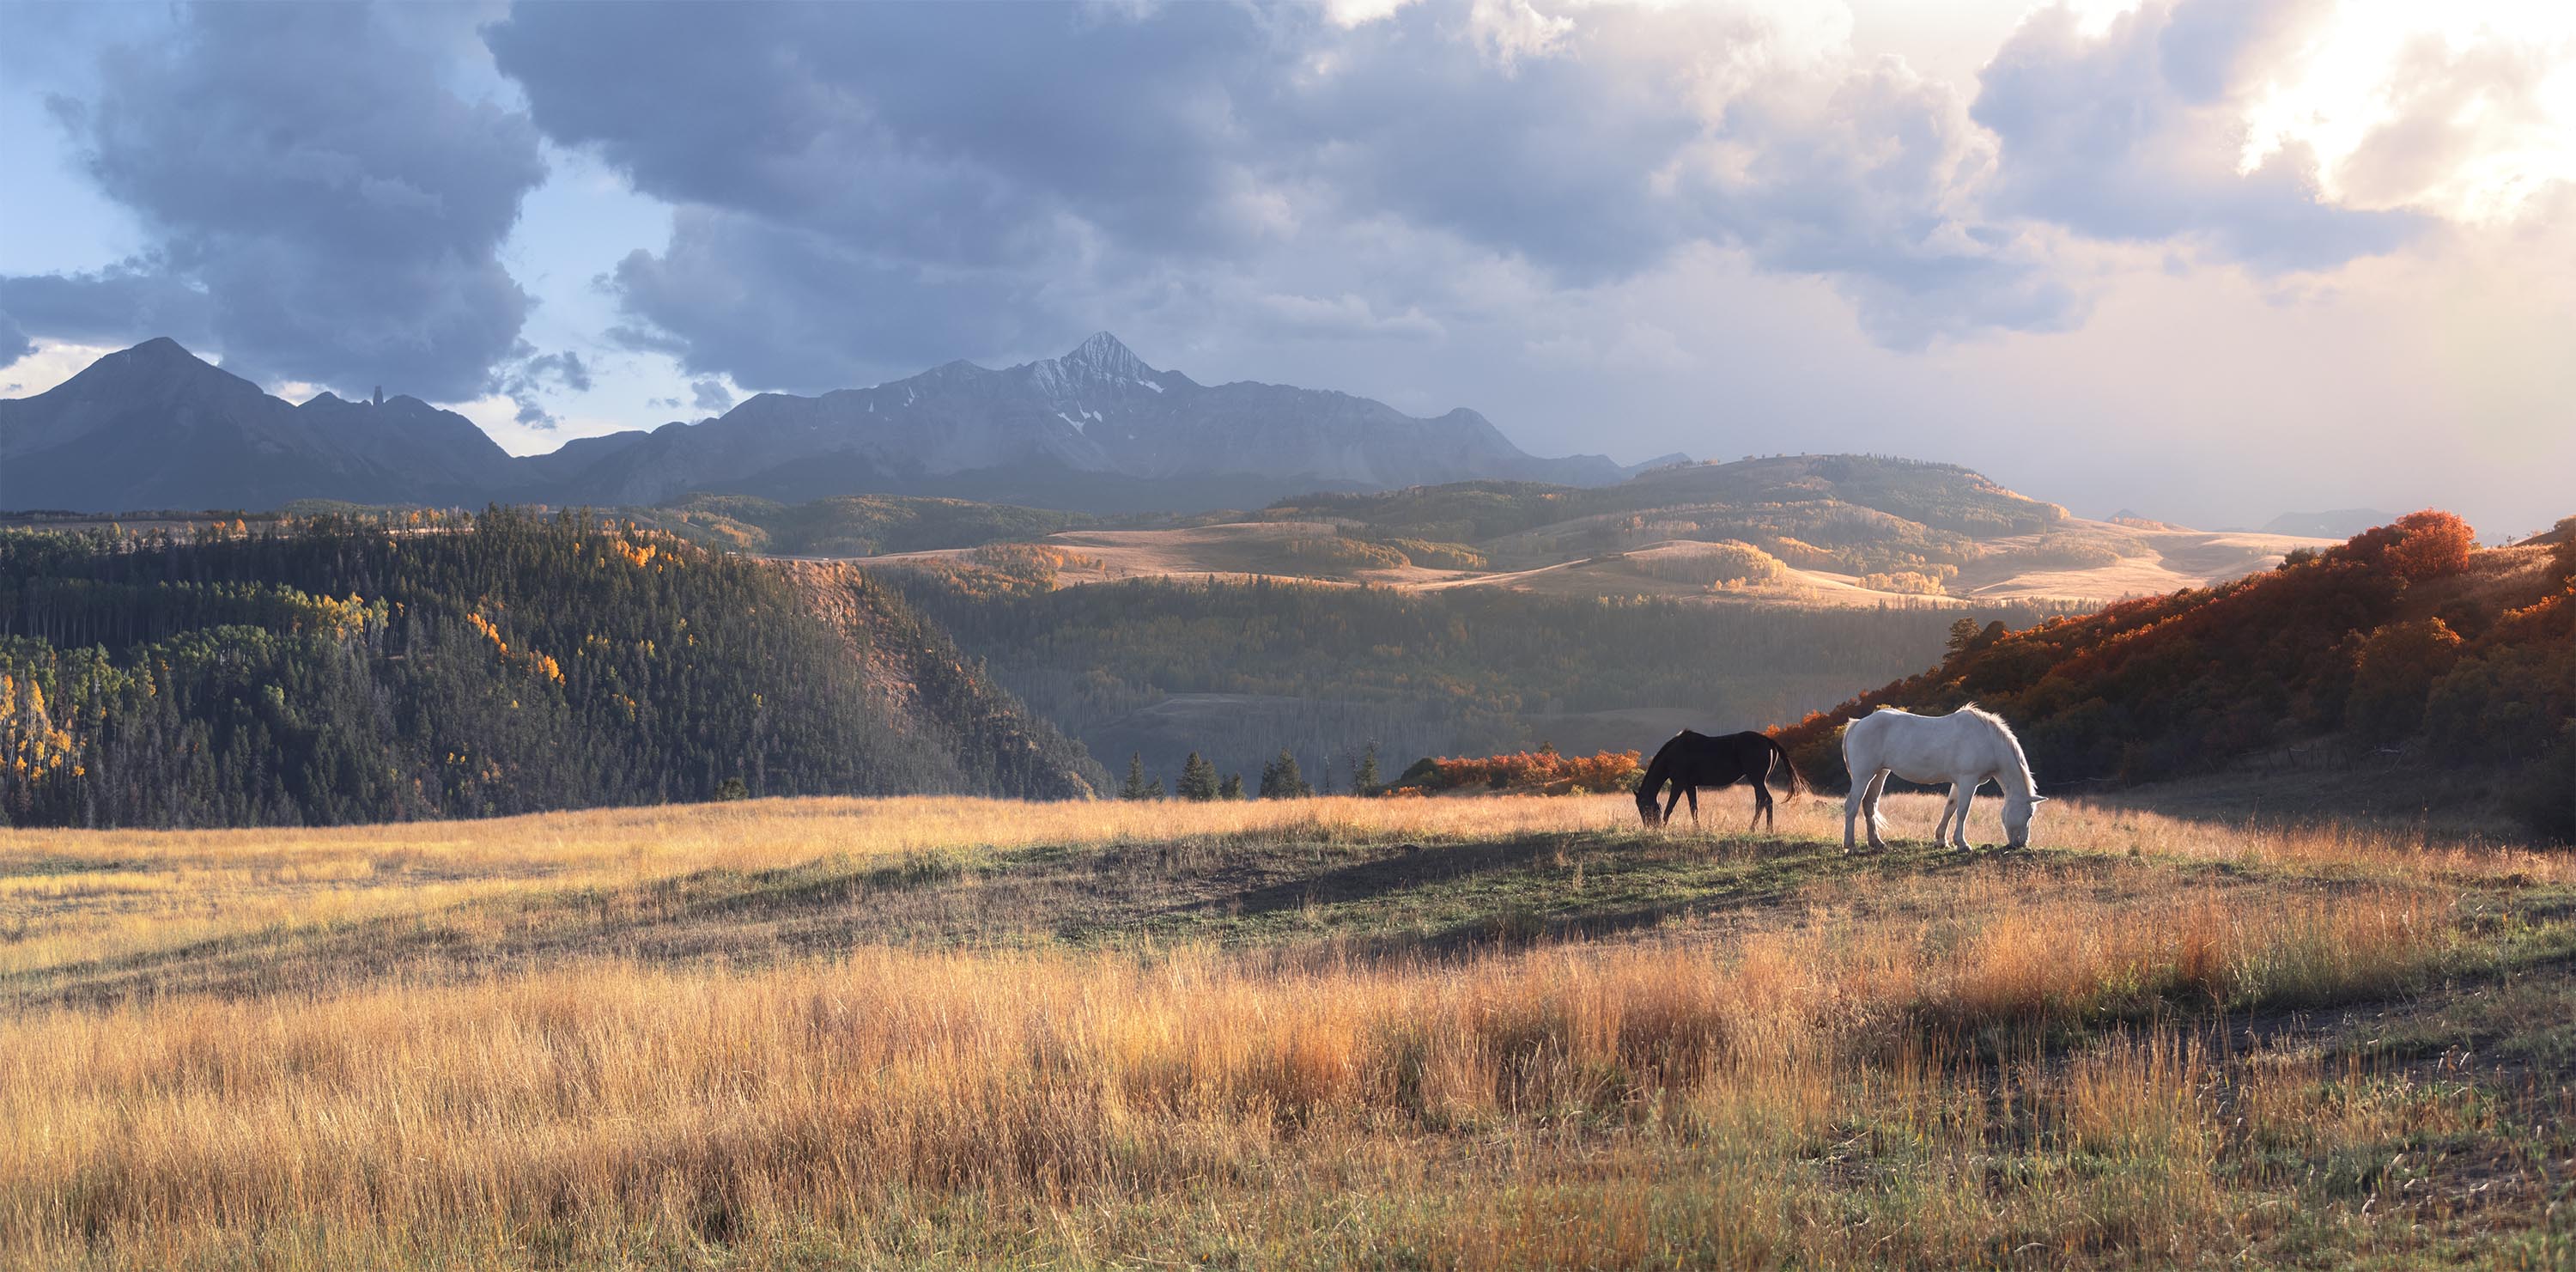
(2419, 545)
(2395, 670)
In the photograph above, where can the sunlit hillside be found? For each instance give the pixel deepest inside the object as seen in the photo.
(2406, 670)
(1474, 1033)
(1838, 530)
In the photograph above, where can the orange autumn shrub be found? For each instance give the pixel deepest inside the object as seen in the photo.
(1543, 771)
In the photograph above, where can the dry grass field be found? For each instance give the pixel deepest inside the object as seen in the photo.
(1392, 1033)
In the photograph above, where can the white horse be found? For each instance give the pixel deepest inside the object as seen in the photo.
(1964, 748)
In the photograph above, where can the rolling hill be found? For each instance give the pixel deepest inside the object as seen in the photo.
(1813, 530)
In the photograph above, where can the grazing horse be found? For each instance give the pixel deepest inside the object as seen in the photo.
(1964, 748)
(1693, 760)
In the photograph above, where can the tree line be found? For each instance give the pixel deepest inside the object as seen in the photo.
(340, 669)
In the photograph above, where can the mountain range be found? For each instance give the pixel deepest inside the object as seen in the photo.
(1097, 429)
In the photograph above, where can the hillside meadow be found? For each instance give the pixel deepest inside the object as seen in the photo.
(1434, 1033)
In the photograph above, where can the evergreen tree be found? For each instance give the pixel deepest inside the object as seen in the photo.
(1198, 779)
(1136, 787)
(1231, 787)
(328, 672)
(1364, 779)
(1281, 780)
(1963, 634)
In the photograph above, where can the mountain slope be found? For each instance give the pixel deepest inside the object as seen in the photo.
(154, 427)
(347, 670)
(2406, 640)
(1096, 429)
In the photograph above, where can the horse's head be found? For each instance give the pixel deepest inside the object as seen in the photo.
(1646, 809)
(2017, 819)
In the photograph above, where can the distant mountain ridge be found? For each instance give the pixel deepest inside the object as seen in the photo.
(156, 427)
(1095, 429)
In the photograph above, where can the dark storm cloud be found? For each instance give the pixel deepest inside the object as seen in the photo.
(121, 305)
(711, 396)
(868, 187)
(856, 119)
(2114, 138)
(782, 307)
(14, 343)
(305, 171)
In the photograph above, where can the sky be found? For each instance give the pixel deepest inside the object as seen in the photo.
(2204, 260)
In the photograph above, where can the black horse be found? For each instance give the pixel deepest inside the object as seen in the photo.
(1693, 760)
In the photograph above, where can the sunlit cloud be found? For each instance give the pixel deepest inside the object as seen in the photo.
(2465, 109)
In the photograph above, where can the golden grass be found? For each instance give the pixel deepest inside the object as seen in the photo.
(1891, 1066)
(599, 1104)
(72, 896)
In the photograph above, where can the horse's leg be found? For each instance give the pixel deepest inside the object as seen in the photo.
(1672, 802)
(1761, 809)
(1694, 801)
(1966, 796)
(1949, 805)
(1869, 806)
(1851, 815)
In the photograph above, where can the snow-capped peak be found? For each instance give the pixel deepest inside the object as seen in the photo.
(1097, 365)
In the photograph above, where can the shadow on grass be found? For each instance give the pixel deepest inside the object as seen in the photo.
(1380, 900)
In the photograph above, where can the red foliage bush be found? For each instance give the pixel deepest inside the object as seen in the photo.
(1543, 771)
(2419, 545)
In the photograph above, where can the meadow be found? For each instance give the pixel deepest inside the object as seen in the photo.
(1432, 1033)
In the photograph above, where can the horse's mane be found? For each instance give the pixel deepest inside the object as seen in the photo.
(2011, 739)
(1652, 779)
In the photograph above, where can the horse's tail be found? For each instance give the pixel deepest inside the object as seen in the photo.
(1780, 757)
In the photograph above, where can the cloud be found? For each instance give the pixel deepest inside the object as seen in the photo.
(782, 307)
(117, 306)
(862, 189)
(325, 207)
(2137, 135)
(565, 368)
(527, 376)
(710, 395)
